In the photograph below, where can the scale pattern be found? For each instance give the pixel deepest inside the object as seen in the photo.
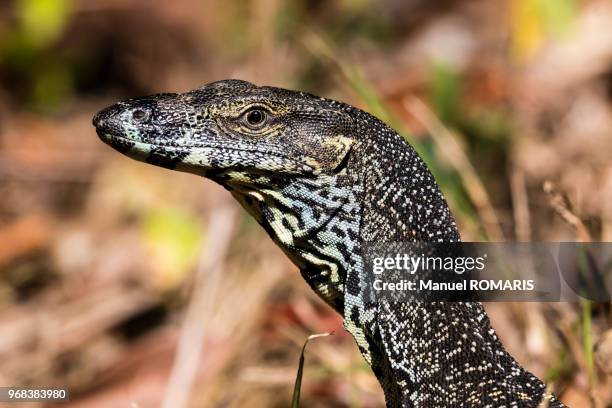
(323, 179)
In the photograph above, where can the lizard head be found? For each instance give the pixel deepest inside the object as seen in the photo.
(229, 127)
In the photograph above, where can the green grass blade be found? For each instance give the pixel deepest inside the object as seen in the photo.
(295, 402)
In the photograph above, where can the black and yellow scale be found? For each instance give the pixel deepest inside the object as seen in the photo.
(323, 179)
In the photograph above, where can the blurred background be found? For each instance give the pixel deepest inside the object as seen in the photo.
(138, 287)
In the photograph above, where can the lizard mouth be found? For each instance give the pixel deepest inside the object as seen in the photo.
(119, 143)
(198, 158)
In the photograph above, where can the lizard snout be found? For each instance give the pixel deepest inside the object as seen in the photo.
(108, 119)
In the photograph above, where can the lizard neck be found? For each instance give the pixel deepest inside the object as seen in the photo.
(401, 198)
(400, 202)
(423, 353)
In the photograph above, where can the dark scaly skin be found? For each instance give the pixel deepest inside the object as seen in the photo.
(323, 178)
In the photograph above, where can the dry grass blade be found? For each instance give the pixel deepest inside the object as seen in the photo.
(295, 402)
(520, 205)
(193, 330)
(451, 149)
(561, 204)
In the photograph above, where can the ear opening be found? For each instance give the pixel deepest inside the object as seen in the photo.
(343, 163)
(339, 152)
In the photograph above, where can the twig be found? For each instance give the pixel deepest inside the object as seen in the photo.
(199, 310)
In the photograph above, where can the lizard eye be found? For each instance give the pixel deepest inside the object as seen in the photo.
(255, 118)
(140, 115)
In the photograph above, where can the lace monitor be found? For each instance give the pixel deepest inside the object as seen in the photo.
(323, 178)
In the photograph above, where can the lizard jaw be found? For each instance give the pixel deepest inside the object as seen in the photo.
(202, 159)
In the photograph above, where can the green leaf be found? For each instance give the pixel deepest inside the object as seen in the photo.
(446, 93)
(43, 21)
(533, 21)
(173, 239)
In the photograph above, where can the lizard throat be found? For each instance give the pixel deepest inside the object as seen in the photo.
(314, 222)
